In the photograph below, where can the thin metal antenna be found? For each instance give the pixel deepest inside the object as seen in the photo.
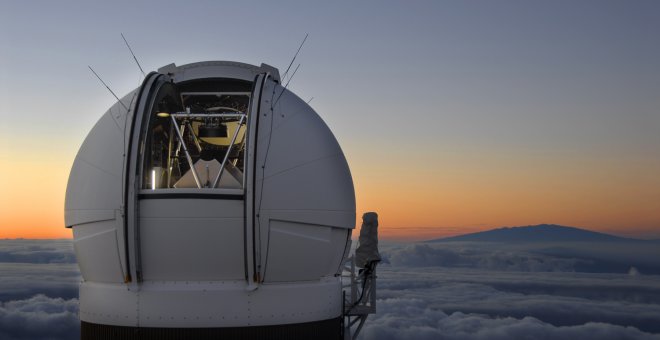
(294, 57)
(292, 74)
(310, 100)
(107, 87)
(133, 54)
(287, 85)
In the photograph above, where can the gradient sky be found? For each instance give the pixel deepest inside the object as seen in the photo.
(455, 116)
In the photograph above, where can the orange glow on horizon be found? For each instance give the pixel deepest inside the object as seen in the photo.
(471, 192)
(32, 201)
(448, 195)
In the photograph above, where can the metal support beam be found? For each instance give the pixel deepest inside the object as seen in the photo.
(224, 160)
(185, 150)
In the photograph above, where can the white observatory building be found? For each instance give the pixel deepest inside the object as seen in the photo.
(213, 203)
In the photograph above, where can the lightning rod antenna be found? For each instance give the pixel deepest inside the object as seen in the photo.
(133, 54)
(287, 85)
(107, 87)
(294, 57)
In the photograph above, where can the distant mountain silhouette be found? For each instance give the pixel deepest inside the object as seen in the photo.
(537, 233)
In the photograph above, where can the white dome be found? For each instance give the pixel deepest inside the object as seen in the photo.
(220, 199)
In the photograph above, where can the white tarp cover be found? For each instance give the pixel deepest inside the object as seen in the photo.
(367, 249)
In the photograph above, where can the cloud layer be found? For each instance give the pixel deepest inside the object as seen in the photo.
(405, 318)
(560, 299)
(537, 257)
(31, 267)
(426, 291)
(39, 317)
(36, 251)
(426, 255)
(506, 291)
(21, 281)
(38, 290)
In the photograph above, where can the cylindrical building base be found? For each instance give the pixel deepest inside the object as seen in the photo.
(321, 330)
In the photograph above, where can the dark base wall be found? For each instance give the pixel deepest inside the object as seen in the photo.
(318, 330)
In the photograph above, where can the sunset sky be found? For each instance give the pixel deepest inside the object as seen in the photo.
(455, 116)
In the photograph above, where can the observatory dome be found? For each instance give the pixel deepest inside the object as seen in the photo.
(210, 198)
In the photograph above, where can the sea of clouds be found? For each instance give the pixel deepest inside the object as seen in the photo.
(38, 290)
(425, 291)
(500, 291)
